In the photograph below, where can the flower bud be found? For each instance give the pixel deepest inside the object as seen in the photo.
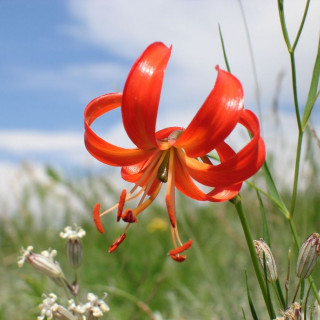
(43, 263)
(308, 256)
(74, 246)
(262, 248)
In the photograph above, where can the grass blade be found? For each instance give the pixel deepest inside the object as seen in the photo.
(312, 95)
(251, 305)
(224, 50)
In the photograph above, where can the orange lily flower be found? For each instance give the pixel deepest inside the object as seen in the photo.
(174, 156)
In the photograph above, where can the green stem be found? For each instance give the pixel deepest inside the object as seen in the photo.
(238, 205)
(294, 89)
(283, 24)
(296, 174)
(301, 25)
(296, 291)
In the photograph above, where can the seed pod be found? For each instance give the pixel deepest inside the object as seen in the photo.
(262, 248)
(308, 256)
(74, 246)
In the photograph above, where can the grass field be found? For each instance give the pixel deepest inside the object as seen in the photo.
(142, 282)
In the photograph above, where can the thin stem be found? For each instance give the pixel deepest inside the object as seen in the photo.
(296, 175)
(301, 25)
(288, 279)
(296, 291)
(278, 290)
(141, 305)
(294, 89)
(238, 205)
(283, 24)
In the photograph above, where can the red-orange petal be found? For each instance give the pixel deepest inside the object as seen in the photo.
(96, 218)
(216, 118)
(237, 167)
(185, 185)
(141, 95)
(101, 149)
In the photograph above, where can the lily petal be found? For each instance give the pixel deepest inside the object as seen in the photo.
(186, 186)
(141, 95)
(239, 166)
(99, 148)
(216, 118)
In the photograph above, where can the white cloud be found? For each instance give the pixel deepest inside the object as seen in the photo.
(127, 27)
(81, 80)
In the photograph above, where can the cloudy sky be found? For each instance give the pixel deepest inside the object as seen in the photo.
(58, 55)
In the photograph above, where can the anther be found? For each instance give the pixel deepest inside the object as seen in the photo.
(128, 216)
(122, 201)
(96, 218)
(117, 243)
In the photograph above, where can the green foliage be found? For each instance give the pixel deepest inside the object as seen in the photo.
(139, 276)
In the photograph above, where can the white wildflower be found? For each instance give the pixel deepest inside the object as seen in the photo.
(25, 255)
(73, 233)
(52, 310)
(96, 307)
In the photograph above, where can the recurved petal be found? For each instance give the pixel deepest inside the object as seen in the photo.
(185, 184)
(216, 118)
(235, 167)
(141, 95)
(101, 149)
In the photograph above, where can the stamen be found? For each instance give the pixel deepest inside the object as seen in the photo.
(179, 258)
(117, 242)
(170, 195)
(177, 235)
(128, 216)
(147, 203)
(96, 218)
(182, 248)
(121, 203)
(153, 164)
(175, 253)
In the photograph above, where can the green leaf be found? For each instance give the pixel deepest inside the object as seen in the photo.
(244, 315)
(265, 229)
(274, 191)
(251, 305)
(312, 95)
(53, 174)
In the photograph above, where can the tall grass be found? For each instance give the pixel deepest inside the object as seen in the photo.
(139, 277)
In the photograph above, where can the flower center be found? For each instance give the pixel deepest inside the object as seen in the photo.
(164, 168)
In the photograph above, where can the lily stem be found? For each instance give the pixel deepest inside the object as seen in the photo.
(245, 226)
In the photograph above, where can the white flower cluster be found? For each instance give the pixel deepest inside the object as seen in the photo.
(93, 309)
(52, 310)
(72, 233)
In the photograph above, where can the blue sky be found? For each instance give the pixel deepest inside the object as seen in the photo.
(34, 43)
(58, 55)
